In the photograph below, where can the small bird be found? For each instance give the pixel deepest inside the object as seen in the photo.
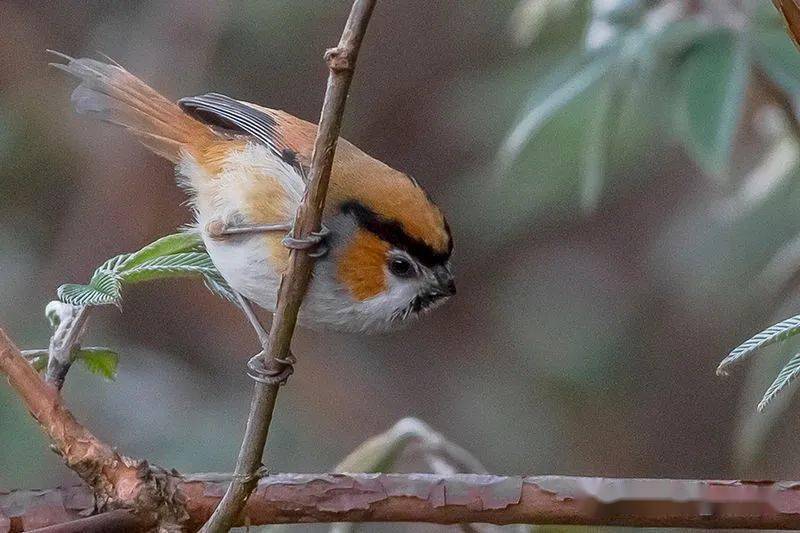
(384, 252)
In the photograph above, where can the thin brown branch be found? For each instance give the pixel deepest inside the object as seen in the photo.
(341, 63)
(790, 9)
(466, 498)
(118, 521)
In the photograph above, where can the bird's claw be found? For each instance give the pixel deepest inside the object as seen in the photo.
(258, 369)
(316, 240)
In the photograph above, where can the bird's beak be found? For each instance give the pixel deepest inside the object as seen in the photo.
(444, 280)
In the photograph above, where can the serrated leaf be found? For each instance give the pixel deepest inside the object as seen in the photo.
(778, 332)
(170, 266)
(100, 361)
(173, 256)
(710, 103)
(171, 244)
(778, 57)
(217, 284)
(103, 288)
(785, 377)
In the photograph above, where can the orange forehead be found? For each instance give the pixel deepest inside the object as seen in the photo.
(357, 176)
(388, 193)
(361, 266)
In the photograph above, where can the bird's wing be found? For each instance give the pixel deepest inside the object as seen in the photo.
(223, 112)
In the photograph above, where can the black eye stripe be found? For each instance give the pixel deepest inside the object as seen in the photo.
(392, 232)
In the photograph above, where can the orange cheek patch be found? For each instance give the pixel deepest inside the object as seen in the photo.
(361, 266)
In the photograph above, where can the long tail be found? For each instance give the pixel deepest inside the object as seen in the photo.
(111, 93)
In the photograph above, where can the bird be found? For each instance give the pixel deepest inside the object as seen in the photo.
(384, 253)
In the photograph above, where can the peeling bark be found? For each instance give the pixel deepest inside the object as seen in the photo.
(466, 498)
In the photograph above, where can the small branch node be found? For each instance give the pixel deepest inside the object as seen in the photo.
(339, 59)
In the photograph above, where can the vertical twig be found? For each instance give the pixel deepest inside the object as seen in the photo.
(67, 335)
(341, 63)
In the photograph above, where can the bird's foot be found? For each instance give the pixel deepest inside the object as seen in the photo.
(316, 240)
(259, 370)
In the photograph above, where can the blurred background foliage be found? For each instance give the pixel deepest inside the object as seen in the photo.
(620, 176)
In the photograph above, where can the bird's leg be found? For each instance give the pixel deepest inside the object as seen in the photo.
(317, 240)
(257, 367)
(218, 229)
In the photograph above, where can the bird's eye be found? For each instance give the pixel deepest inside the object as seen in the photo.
(401, 267)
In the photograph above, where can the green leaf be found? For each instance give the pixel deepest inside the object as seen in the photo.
(171, 244)
(566, 84)
(674, 38)
(780, 331)
(173, 256)
(785, 377)
(710, 103)
(217, 284)
(103, 288)
(169, 266)
(37, 358)
(100, 361)
(778, 57)
(601, 128)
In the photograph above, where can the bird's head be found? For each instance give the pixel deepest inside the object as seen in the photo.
(390, 255)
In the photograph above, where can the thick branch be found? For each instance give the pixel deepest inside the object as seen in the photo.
(341, 62)
(116, 480)
(94, 461)
(469, 498)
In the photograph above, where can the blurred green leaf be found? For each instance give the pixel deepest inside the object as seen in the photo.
(563, 86)
(777, 55)
(597, 144)
(784, 378)
(674, 38)
(100, 361)
(713, 83)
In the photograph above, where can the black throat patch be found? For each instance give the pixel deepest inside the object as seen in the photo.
(392, 232)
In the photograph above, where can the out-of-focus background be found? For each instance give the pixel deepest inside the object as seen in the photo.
(621, 178)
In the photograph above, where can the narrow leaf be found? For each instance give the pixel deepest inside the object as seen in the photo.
(785, 377)
(559, 92)
(780, 331)
(100, 361)
(714, 79)
(598, 138)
